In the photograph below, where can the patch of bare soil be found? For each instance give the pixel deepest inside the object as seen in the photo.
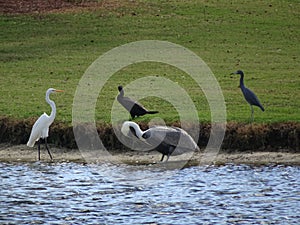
(44, 6)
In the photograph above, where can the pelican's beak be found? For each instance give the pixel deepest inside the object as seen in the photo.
(59, 91)
(133, 132)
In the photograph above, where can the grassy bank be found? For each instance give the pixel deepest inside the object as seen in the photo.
(53, 49)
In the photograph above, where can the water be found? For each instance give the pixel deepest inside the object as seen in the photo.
(71, 193)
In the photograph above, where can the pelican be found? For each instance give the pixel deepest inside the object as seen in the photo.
(133, 107)
(166, 140)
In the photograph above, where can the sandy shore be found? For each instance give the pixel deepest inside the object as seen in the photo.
(22, 153)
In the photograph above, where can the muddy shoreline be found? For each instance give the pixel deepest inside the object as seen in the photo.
(22, 153)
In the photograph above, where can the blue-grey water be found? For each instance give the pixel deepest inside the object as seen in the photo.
(73, 193)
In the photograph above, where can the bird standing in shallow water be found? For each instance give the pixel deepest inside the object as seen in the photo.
(249, 95)
(166, 140)
(40, 128)
(133, 107)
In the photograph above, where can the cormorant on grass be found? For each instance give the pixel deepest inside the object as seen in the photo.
(133, 107)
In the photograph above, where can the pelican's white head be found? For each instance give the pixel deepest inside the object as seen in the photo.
(129, 128)
(125, 128)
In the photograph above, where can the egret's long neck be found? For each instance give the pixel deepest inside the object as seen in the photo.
(138, 131)
(52, 104)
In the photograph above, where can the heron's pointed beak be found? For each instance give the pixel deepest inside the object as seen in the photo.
(233, 73)
(59, 91)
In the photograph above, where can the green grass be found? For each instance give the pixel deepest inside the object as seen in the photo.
(55, 49)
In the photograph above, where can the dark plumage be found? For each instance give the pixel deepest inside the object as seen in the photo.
(249, 95)
(133, 107)
(166, 140)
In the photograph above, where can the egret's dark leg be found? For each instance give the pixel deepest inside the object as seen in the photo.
(48, 148)
(39, 149)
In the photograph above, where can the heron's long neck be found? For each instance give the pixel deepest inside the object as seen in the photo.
(242, 81)
(53, 107)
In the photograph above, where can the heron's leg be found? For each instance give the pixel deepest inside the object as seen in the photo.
(48, 149)
(252, 111)
(39, 149)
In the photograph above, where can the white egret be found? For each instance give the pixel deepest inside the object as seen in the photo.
(166, 140)
(40, 128)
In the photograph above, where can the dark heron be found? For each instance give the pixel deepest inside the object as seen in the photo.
(133, 107)
(166, 140)
(249, 95)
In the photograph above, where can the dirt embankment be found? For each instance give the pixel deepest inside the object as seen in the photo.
(238, 137)
(45, 6)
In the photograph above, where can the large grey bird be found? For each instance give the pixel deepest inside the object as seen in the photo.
(133, 107)
(249, 95)
(166, 140)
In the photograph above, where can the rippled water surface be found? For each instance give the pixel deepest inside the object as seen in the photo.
(70, 193)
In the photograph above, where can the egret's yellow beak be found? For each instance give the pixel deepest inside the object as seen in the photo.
(59, 91)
